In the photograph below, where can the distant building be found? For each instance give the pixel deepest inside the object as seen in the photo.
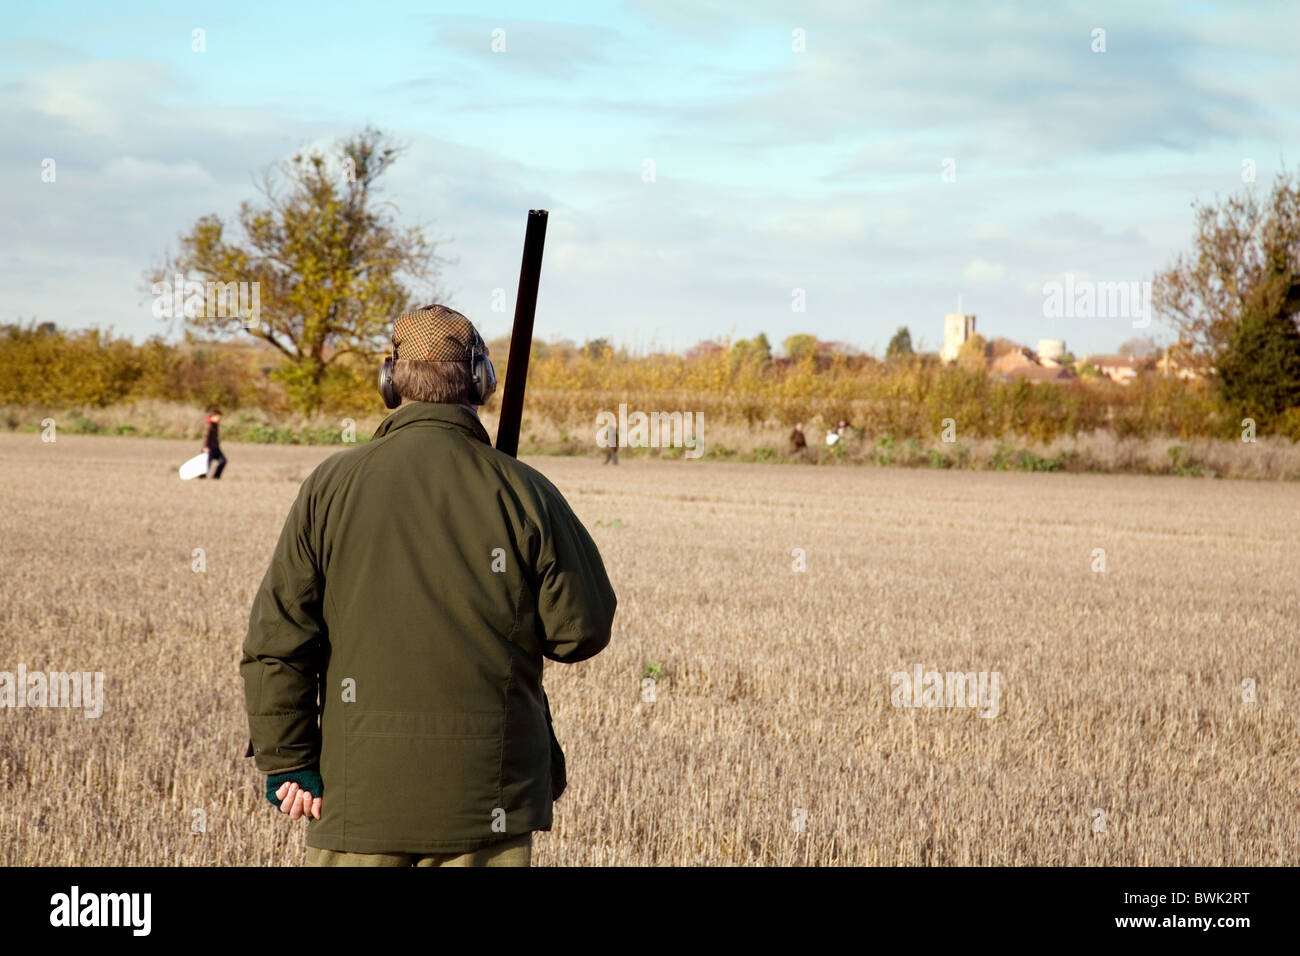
(1019, 363)
(1013, 359)
(1118, 368)
(957, 328)
(1050, 351)
(1040, 373)
(704, 349)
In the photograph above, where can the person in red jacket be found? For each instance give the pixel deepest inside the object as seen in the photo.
(212, 444)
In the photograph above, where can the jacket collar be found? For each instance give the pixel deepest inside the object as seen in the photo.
(455, 415)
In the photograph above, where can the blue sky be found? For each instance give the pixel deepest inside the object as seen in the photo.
(775, 170)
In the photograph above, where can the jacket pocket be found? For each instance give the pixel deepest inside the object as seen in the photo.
(559, 776)
(416, 778)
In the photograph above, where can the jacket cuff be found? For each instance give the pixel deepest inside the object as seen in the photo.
(283, 742)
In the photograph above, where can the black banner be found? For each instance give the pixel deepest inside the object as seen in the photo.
(932, 908)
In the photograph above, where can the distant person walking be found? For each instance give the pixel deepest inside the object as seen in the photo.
(798, 440)
(611, 449)
(212, 444)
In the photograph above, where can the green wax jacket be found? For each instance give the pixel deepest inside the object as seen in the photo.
(398, 637)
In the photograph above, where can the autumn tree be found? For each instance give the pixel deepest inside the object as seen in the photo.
(756, 350)
(1260, 368)
(973, 354)
(900, 346)
(329, 263)
(800, 346)
(1245, 260)
(1138, 347)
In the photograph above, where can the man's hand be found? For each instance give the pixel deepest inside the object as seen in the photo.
(297, 802)
(297, 793)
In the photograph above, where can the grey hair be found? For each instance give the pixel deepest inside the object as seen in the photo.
(447, 383)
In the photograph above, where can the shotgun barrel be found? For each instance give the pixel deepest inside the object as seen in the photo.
(521, 339)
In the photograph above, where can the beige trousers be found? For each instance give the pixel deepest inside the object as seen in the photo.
(516, 851)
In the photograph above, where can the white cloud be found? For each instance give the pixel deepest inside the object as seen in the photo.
(981, 270)
(991, 230)
(129, 170)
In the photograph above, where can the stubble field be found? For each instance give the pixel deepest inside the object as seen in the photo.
(1147, 712)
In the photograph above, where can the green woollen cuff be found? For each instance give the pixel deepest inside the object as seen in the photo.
(308, 778)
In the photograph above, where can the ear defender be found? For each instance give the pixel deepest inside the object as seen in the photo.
(483, 374)
(386, 387)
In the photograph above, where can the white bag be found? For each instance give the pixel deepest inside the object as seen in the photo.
(198, 465)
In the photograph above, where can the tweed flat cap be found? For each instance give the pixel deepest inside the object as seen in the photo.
(436, 333)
